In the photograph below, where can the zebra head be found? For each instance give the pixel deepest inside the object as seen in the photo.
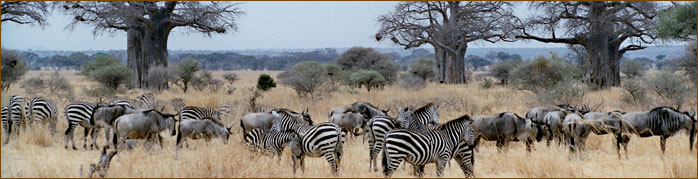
(306, 117)
(404, 114)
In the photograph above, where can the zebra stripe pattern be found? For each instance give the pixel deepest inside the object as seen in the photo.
(273, 142)
(316, 140)
(4, 113)
(378, 127)
(198, 113)
(124, 103)
(420, 119)
(16, 113)
(421, 148)
(43, 110)
(148, 101)
(178, 104)
(79, 113)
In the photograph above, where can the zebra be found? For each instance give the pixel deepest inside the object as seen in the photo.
(377, 127)
(325, 139)
(273, 142)
(422, 147)
(199, 113)
(148, 101)
(16, 114)
(424, 118)
(178, 104)
(6, 123)
(43, 110)
(664, 122)
(79, 113)
(123, 102)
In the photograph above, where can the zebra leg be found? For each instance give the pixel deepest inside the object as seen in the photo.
(87, 131)
(329, 156)
(52, 126)
(302, 161)
(418, 171)
(374, 156)
(619, 140)
(69, 135)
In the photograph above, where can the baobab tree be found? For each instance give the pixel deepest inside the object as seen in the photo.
(448, 27)
(148, 25)
(25, 12)
(601, 27)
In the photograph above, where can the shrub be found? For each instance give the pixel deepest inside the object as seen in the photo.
(565, 92)
(359, 58)
(13, 68)
(687, 62)
(486, 83)
(671, 87)
(265, 82)
(215, 85)
(635, 92)
(184, 72)
(304, 77)
(100, 61)
(369, 78)
(335, 75)
(158, 78)
(502, 70)
(112, 76)
(231, 77)
(55, 85)
(99, 92)
(411, 81)
(544, 73)
(424, 68)
(632, 68)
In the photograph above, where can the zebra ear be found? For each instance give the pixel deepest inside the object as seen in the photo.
(274, 113)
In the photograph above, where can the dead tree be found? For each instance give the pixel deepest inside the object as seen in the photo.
(25, 12)
(601, 27)
(102, 166)
(448, 27)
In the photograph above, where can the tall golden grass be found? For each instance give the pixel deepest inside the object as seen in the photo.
(38, 154)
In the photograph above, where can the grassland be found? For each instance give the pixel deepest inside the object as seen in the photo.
(38, 154)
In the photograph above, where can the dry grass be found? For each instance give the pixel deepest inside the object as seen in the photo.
(38, 154)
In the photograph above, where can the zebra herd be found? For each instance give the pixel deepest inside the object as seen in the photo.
(415, 136)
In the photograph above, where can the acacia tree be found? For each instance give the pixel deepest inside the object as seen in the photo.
(148, 25)
(25, 12)
(448, 27)
(600, 27)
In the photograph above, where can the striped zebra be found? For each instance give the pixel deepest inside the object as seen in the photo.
(421, 148)
(148, 101)
(424, 118)
(6, 123)
(325, 139)
(123, 102)
(16, 114)
(178, 104)
(377, 127)
(79, 113)
(272, 142)
(664, 122)
(43, 110)
(199, 113)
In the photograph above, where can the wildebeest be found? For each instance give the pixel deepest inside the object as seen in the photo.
(575, 131)
(103, 116)
(664, 122)
(503, 128)
(368, 110)
(341, 109)
(197, 129)
(142, 124)
(609, 123)
(263, 120)
(349, 122)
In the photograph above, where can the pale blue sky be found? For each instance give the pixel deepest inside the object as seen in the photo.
(280, 25)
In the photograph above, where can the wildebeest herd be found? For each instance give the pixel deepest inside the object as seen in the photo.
(415, 135)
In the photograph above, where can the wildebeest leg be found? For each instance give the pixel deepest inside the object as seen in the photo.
(619, 140)
(93, 135)
(626, 140)
(663, 143)
(107, 130)
(500, 144)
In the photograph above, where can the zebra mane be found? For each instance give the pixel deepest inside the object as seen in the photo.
(423, 108)
(457, 121)
(285, 110)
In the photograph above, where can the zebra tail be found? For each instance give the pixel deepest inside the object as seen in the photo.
(115, 140)
(179, 136)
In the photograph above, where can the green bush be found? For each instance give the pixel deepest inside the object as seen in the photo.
(185, 71)
(424, 68)
(304, 77)
(335, 74)
(13, 68)
(100, 61)
(359, 58)
(502, 70)
(671, 87)
(112, 76)
(486, 83)
(265, 82)
(368, 78)
(544, 73)
(632, 68)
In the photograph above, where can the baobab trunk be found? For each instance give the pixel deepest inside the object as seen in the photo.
(154, 48)
(440, 63)
(603, 54)
(455, 67)
(135, 55)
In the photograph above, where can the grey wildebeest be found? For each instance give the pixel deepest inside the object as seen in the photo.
(103, 116)
(197, 129)
(503, 128)
(349, 122)
(664, 122)
(264, 120)
(601, 123)
(142, 124)
(537, 116)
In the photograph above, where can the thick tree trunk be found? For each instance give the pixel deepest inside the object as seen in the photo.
(154, 48)
(135, 55)
(603, 54)
(455, 68)
(440, 63)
